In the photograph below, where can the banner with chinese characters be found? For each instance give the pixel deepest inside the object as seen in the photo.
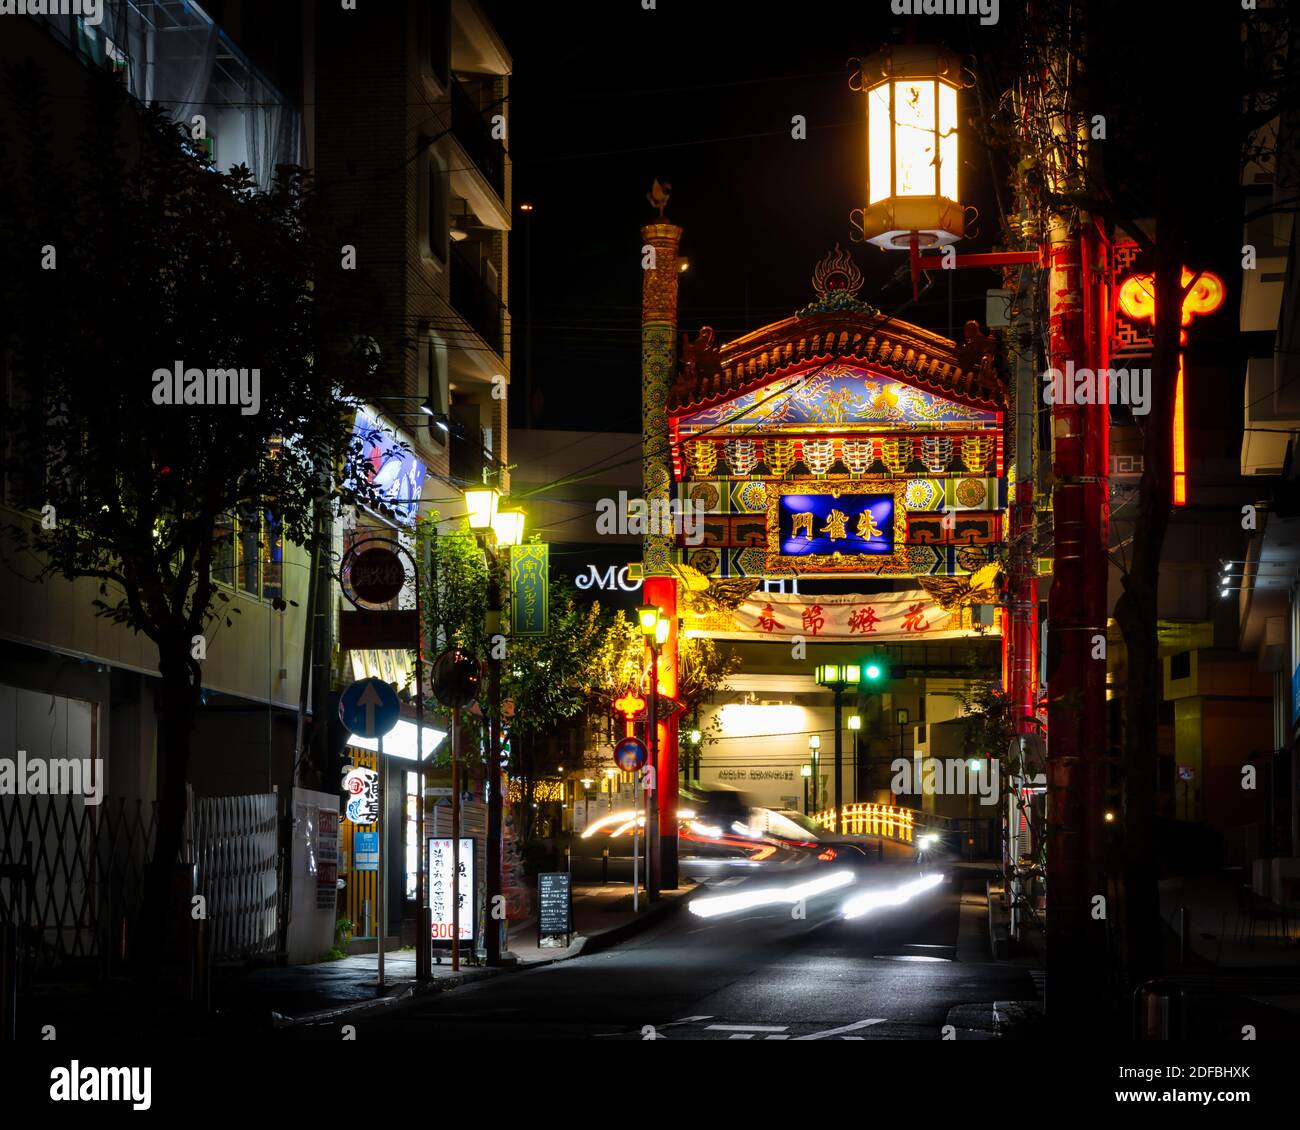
(529, 589)
(838, 618)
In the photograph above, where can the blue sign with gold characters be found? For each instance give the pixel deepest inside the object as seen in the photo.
(812, 524)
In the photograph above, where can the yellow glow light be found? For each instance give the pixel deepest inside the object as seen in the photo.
(481, 506)
(508, 525)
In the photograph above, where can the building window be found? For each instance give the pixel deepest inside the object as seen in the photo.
(433, 382)
(436, 221)
(248, 553)
(435, 39)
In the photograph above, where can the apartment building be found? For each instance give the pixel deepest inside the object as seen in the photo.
(401, 110)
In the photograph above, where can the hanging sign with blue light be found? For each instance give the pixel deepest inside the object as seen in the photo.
(810, 524)
(827, 527)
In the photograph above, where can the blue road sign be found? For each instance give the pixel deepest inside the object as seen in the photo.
(369, 708)
(630, 754)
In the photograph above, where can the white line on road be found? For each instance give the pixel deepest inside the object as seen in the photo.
(670, 1024)
(748, 1027)
(846, 1028)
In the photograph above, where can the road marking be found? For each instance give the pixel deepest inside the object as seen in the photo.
(741, 1036)
(845, 1028)
(776, 1037)
(657, 1027)
(748, 1027)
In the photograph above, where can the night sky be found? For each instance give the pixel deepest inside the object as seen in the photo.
(700, 96)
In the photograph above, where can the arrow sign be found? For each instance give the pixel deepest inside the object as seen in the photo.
(369, 708)
(666, 708)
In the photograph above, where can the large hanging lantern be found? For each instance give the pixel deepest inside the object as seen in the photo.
(912, 148)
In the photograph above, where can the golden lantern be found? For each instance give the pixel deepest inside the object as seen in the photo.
(912, 148)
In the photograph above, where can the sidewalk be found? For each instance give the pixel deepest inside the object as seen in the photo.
(246, 998)
(1221, 932)
(602, 917)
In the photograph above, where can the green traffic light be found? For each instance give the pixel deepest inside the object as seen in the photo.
(873, 671)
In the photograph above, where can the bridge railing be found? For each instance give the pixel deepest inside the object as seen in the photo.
(867, 819)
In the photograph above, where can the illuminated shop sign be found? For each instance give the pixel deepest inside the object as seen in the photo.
(396, 474)
(813, 524)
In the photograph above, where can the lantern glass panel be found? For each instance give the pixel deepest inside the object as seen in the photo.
(879, 144)
(481, 508)
(508, 525)
(948, 141)
(914, 137)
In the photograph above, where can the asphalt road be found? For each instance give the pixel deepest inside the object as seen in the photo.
(756, 974)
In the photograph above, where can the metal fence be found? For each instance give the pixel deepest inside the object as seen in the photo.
(72, 874)
(236, 851)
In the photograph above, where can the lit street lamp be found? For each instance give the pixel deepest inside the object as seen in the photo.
(506, 527)
(838, 677)
(805, 771)
(855, 727)
(814, 753)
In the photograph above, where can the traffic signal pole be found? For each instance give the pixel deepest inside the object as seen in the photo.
(839, 761)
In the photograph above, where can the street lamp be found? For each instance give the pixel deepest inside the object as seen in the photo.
(508, 526)
(482, 508)
(912, 148)
(693, 738)
(855, 728)
(805, 771)
(838, 677)
(814, 753)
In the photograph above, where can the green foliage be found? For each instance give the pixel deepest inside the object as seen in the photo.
(703, 670)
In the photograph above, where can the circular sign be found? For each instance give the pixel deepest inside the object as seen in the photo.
(456, 677)
(630, 754)
(376, 575)
(369, 708)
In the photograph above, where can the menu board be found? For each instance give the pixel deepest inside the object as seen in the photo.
(554, 903)
(327, 858)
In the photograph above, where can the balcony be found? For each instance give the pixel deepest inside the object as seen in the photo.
(475, 137)
(474, 300)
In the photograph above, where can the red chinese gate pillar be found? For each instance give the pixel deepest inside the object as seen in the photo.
(1076, 730)
(658, 368)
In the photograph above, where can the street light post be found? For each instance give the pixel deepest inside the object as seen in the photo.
(814, 758)
(855, 727)
(506, 528)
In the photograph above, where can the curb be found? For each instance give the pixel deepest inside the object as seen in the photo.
(407, 995)
(585, 944)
